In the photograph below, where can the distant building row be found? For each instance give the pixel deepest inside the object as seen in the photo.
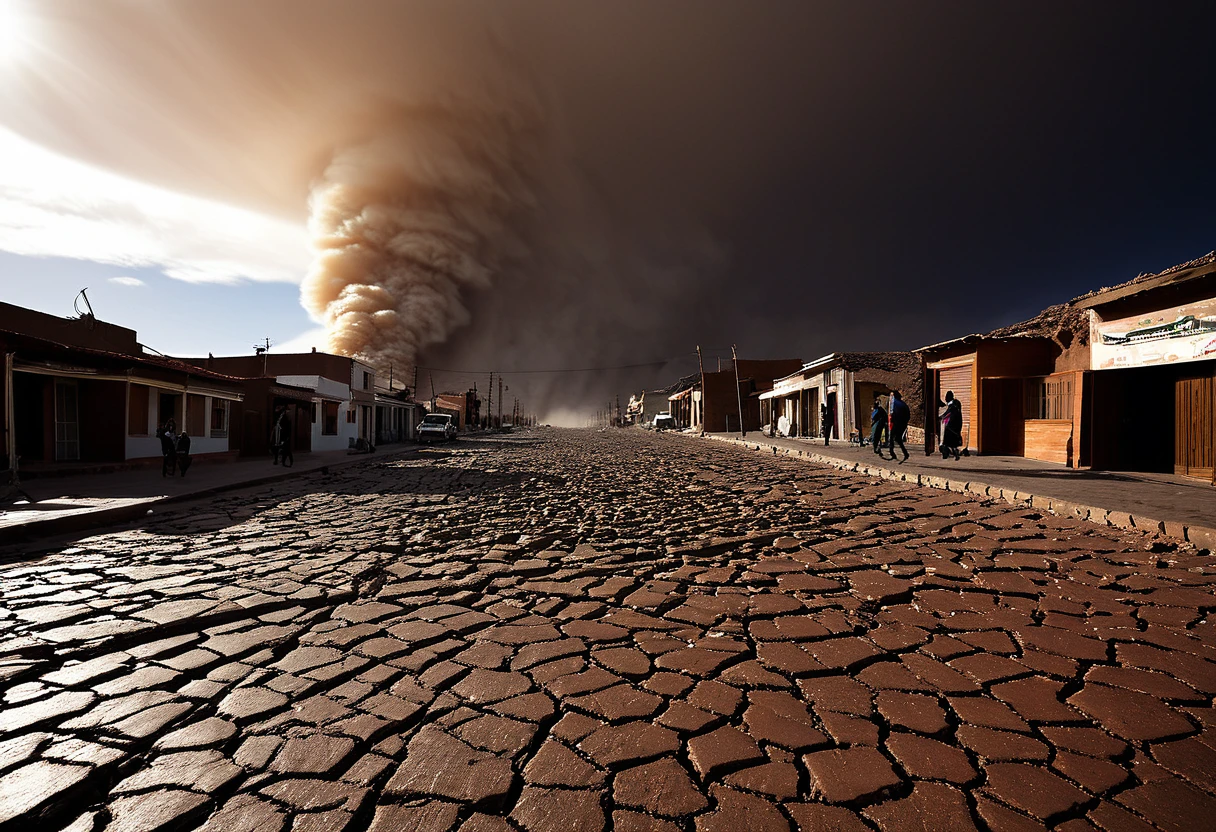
(1118, 379)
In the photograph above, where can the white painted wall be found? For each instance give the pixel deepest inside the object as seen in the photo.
(142, 447)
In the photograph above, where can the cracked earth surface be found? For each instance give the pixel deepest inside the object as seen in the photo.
(572, 630)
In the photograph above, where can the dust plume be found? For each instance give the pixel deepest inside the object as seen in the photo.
(408, 223)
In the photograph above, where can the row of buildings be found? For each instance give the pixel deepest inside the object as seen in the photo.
(1122, 378)
(81, 390)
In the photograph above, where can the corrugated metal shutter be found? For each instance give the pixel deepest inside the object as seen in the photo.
(958, 380)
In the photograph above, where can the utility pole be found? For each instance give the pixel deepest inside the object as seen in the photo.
(738, 392)
(701, 363)
(490, 402)
(500, 401)
(415, 387)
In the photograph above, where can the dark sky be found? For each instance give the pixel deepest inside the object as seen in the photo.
(795, 178)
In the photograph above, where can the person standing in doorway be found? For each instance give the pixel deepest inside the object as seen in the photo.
(878, 425)
(827, 418)
(899, 417)
(280, 437)
(167, 434)
(952, 426)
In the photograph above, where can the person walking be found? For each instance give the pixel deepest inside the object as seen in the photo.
(899, 418)
(182, 452)
(167, 434)
(280, 438)
(878, 425)
(952, 426)
(827, 418)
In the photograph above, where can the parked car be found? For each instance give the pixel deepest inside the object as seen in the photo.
(664, 421)
(436, 427)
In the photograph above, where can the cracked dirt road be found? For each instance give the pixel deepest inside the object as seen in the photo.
(572, 630)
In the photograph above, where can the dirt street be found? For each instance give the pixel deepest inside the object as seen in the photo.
(576, 630)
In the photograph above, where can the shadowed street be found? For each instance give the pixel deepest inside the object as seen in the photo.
(584, 630)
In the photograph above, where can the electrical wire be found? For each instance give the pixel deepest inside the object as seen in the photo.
(661, 363)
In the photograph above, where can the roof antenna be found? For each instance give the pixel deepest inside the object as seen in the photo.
(85, 316)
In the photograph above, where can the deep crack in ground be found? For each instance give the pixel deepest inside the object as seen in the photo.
(569, 630)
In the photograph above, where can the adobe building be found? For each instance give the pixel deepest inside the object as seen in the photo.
(342, 405)
(847, 383)
(80, 390)
(464, 408)
(716, 410)
(1119, 379)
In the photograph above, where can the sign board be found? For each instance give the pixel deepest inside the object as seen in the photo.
(1170, 336)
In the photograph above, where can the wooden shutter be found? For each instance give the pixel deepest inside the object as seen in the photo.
(1194, 455)
(958, 380)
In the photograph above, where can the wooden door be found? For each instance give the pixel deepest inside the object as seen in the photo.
(958, 381)
(1194, 427)
(1002, 417)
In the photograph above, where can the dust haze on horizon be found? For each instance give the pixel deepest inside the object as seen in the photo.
(546, 184)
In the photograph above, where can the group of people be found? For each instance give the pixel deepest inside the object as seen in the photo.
(894, 423)
(174, 448)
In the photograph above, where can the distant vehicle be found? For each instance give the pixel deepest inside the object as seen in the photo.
(436, 427)
(664, 421)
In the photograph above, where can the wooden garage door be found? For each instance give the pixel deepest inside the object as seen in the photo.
(958, 380)
(1193, 427)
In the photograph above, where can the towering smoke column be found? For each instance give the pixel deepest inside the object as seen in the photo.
(408, 222)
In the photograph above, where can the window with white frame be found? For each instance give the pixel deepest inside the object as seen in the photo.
(219, 418)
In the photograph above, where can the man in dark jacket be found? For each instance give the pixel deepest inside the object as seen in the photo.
(900, 416)
(167, 434)
(827, 418)
(280, 438)
(878, 425)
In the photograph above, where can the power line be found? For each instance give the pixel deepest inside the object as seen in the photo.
(661, 363)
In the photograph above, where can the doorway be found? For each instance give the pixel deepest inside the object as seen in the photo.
(1194, 403)
(834, 415)
(168, 408)
(67, 422)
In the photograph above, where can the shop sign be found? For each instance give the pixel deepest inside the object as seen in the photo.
(1170, 336)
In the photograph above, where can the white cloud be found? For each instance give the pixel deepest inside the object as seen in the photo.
(304, 342)
(127, 281)
(53, 206)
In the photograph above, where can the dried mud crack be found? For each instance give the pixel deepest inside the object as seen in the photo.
(575, 630)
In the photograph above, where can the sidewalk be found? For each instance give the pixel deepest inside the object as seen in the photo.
(1174, 506)
(72, 503)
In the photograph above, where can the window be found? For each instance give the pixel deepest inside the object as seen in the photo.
(219, 418)
(137, 410)
(1049, 398)
(196, 415)
(350, 414)
(367, 380)
(329, 418)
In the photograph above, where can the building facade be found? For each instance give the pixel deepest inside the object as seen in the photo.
(847, 384)
(80, 390)
(1119, 379)
(343, 400)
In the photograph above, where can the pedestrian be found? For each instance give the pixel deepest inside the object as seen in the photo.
(827, 418)
(182, 452)
(878, 425)
(952, 425)
(167, 434)
(899, 418)
(280, 438)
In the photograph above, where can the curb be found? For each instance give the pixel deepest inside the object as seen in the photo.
(1203, 537)
(122, 514)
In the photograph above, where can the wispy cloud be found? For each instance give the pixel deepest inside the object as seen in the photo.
(127, 281)
(52, 206)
